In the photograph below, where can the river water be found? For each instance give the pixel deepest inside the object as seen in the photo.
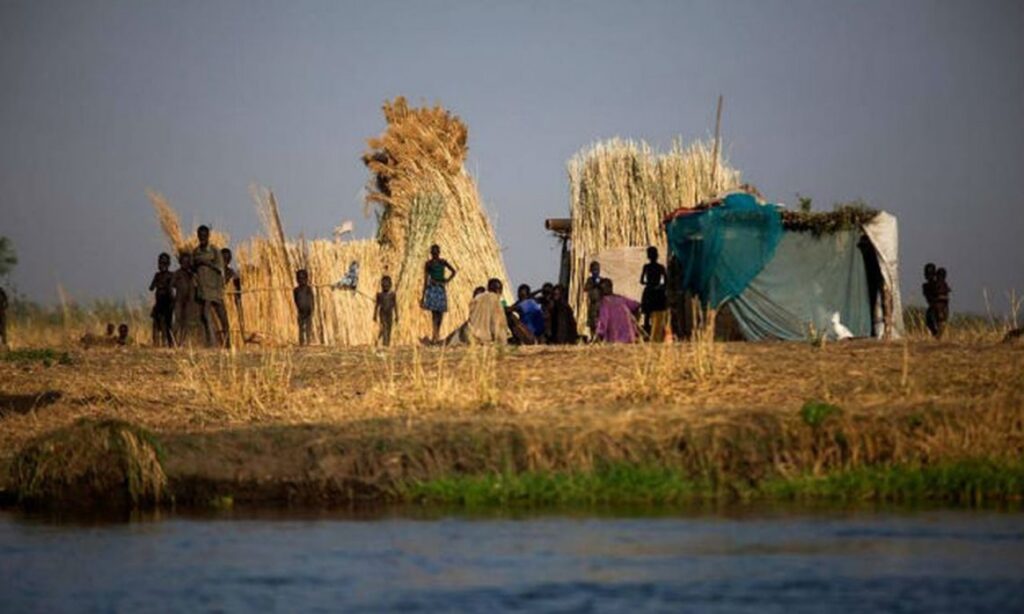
(713, 561)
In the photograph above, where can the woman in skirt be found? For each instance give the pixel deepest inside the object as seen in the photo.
(435, 296)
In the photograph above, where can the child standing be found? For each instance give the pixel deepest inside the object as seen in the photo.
(928, 288)
(385, 310)
(942, 292)
(3, 319)
(304, 304)
(654, 302)
(163, 308)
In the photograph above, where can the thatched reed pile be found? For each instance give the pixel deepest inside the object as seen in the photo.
(621, 190)
(267, 266)
(424, 195)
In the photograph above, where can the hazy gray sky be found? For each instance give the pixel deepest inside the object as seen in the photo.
(915, 107)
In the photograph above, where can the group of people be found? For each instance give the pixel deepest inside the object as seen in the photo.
(189, 302)
(936, 294)
(544, 316)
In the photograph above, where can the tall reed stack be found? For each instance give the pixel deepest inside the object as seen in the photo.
(425, 196)
(620, 190)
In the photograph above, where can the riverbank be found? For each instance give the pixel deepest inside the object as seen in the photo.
(534, 426)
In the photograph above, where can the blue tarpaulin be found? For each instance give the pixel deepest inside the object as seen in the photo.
(722, 249)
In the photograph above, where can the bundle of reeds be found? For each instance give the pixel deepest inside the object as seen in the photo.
(267, 265)
(621, 190)
(425, 196)
(170, 223)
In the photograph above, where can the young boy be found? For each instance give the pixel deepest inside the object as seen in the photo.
(233, 286)
(592, 288)
(928, 289)
(385, 310)
(654, 301)
(186, 309)
(163, 307)
(304, 303)
(3, 319)
(122, 335)
(942, 291)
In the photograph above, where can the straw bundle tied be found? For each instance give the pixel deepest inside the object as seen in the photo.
(425, 196)
(170, 224)
(621, 190)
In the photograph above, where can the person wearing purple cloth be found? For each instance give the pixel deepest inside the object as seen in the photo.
(616, 317)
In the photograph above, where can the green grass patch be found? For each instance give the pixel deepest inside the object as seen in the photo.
(966, 482)
(962, 482)
(47, 356)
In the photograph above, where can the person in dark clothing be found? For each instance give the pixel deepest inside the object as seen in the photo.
(304, 304)
(122, 335)
(559, 319)
(654, 301)
(592, 290)
(385, 310)
(3, 319)
(928, 288)
(942, 291)
(163, 307)
(233, 285)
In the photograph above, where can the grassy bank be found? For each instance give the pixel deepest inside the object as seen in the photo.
(964, 482)
(938, 420)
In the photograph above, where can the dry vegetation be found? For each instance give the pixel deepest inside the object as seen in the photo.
(379, 417)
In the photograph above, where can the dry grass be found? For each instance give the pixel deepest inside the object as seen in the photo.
(346, 423)
(166, 391)
(621, 190)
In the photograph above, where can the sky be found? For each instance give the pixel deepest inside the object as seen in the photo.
(913, 106)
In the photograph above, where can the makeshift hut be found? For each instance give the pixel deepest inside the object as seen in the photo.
(620, 191)
(424, 195)
(790, 275)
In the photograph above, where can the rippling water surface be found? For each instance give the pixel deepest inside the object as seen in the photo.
(930, 561)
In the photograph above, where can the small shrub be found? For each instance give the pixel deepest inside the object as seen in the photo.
(814, 412)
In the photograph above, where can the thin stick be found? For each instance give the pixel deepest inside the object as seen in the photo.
(714, 152)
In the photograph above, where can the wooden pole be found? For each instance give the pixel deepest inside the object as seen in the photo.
(718, 133)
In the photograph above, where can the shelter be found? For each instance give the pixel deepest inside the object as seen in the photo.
(789, 275)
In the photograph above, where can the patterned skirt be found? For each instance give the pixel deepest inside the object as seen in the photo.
(435, 298)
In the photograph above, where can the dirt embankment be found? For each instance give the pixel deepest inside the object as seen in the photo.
(350, 426)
